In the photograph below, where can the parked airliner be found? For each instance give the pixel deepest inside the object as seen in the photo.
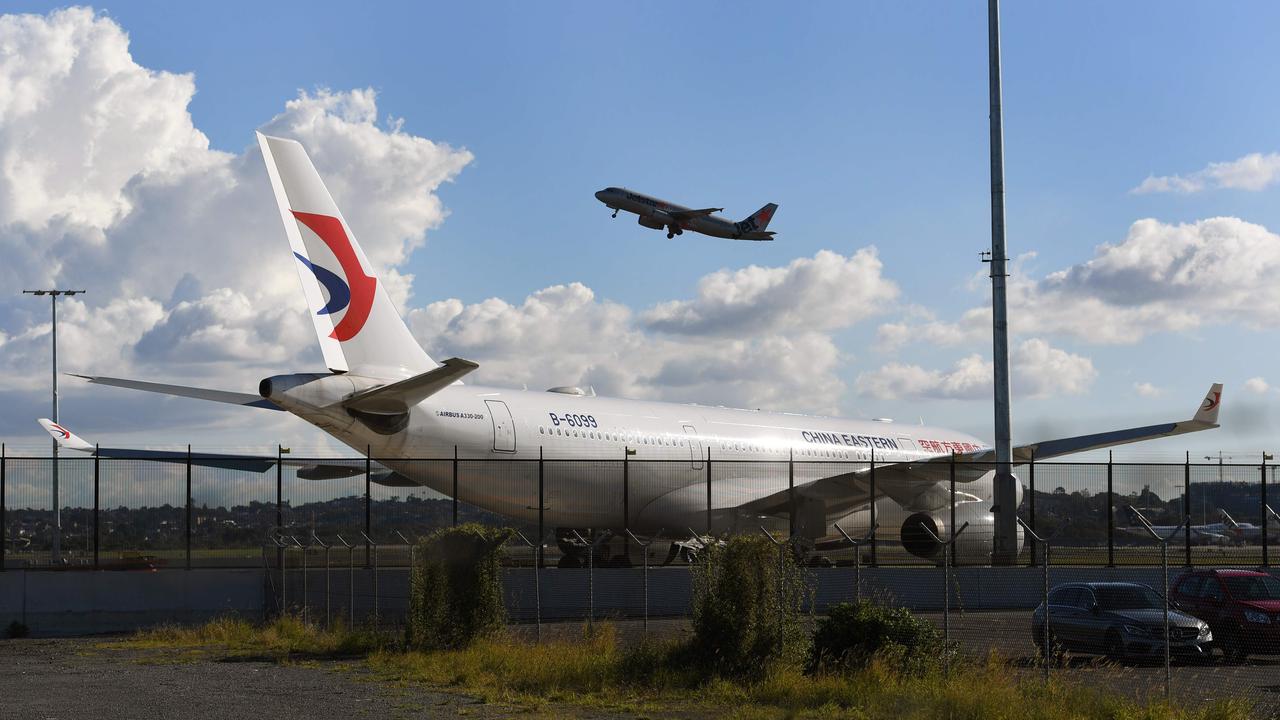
(383, 395)
(659, 214)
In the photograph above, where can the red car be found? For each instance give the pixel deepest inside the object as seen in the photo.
(1242, 608)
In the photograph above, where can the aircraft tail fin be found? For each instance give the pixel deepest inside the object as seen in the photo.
(758, 221)
(355, 321)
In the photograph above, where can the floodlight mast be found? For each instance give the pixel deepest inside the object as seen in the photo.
(1004, 550)
(55, 554)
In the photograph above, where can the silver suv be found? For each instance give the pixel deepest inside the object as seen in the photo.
(1120, 619)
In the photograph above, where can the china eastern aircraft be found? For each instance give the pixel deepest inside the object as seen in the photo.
(383, 395)
(659, 214)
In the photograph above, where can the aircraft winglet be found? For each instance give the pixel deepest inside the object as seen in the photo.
(65, 437)
(1208, 410)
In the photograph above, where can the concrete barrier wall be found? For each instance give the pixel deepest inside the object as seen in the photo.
(78, 603)
(65, 603)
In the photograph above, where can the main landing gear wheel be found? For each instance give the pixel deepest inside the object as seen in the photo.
(670, 235)
(615, 213)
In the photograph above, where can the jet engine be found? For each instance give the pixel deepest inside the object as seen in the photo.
(651, 222)
(974, 544)
(903, 526)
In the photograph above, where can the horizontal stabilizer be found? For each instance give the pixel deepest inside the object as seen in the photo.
(399, 396)
(222, 396)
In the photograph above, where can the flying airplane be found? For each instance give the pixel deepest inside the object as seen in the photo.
(383, 395)
(659, 214)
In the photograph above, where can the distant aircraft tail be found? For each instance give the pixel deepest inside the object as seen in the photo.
(758, 221)
(356, 323)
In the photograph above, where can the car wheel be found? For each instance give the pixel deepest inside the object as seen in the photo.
(1114, 646)
(1233, 647)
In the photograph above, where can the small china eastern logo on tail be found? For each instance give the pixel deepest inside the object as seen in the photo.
(1211, 401)
(66, 434)
(355, 294)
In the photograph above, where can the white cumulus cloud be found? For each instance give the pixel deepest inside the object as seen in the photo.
(107, 185)
(1254, 171)
(1037, 370)
(1257, 385)
(1147, 390)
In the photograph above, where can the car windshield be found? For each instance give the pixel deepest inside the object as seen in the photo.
(1252, 587)
(1126, 597)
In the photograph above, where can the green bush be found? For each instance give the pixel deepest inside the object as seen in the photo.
(748, 600)
(853, 634)
(455, 590)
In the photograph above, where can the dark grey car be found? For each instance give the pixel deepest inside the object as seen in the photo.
(1118, 619)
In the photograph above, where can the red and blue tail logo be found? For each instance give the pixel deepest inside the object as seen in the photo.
(355, 293)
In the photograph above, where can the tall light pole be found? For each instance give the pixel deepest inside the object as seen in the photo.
(1004, 550)
(56, 553)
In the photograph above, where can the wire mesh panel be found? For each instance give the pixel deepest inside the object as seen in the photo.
(317, 502)
(1226, 514)
(232, 511)
(30, 521)
(1156, 493)
(1072, 508)
(142, 519)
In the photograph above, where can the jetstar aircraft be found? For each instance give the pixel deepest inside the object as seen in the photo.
(382, 394)
(659, 214)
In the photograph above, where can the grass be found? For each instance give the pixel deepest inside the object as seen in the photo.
(594, 673)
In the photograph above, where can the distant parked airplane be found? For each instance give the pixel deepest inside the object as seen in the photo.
(659, 214)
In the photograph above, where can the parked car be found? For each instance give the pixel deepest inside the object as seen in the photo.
(1120, 619)
(1242, 608)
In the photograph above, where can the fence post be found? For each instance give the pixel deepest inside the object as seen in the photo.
(1111, 519)
(368, 542)
(946, 590)
(791, 492)
(542, 532)
(96, 508)
(1046, 642)
(351, 583)
(280, 512)
(1265, 560)
(455, 486)
(4, 525)
(368, 485)
(1186, 505)
(952, 521)
(644, 551)
(708, 489)
(316, 539)
(1031, 504)
(626, 506)
(875, 522)
(188, 523)
(857, 557)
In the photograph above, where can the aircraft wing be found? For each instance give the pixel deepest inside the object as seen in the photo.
(921, 484)
(307, 469)
(223, 396)
(691, 214)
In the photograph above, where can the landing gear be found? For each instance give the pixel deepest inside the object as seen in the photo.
(615, 212)
(673, 231)
(670, 235)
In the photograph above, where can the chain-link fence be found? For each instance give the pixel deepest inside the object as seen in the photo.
(178, 513)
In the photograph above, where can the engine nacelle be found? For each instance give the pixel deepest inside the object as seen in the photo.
(974, 544)
(651, 222)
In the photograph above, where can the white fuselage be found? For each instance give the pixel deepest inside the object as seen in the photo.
(583, 438)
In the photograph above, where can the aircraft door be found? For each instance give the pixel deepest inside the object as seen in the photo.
(696, 453)
(504, 428)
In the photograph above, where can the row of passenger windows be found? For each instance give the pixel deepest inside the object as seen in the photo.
(669, 440)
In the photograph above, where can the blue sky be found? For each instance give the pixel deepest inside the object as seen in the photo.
(866, 122)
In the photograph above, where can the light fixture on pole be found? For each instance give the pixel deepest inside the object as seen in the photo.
(56, 546)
